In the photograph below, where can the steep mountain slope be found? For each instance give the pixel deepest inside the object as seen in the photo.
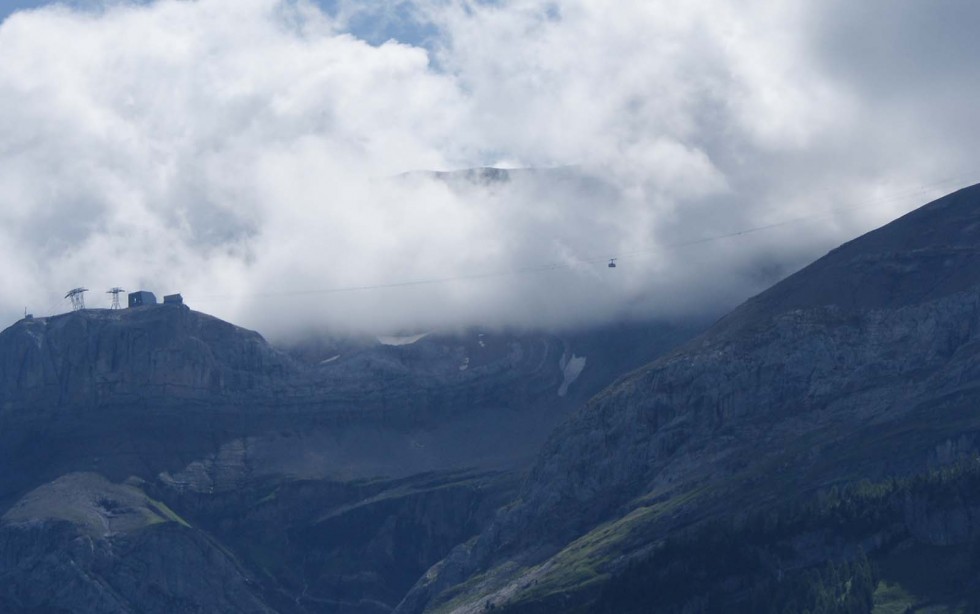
(159, 459)
(89, 545)
(864, 365)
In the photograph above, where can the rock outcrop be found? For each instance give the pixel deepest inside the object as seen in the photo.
(82, 543)
(98, 357)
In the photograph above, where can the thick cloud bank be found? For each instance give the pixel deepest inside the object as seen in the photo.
(259, 157)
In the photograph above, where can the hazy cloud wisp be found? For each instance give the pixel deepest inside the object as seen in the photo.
(251, 154)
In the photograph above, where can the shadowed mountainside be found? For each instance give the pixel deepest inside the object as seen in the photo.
(807, 452)
(863, 365)
(161, 460)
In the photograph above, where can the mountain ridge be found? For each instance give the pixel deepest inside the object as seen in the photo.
(827, 377)
(285, 481)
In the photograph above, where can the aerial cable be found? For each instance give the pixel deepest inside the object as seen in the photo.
(608, 261)
(554, 266)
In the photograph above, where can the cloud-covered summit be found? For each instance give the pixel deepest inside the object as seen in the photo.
(254, 154)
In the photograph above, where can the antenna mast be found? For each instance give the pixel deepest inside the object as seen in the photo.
(115, 292)
(77, 297)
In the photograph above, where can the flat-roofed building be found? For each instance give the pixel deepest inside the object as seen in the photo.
(141, 298)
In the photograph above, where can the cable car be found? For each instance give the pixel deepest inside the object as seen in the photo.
(612, 263)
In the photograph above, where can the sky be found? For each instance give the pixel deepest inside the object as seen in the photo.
(275, 160)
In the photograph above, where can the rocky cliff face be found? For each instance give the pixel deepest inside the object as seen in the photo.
(236, 477)
(164, 351)
(163, 389)
(863, 365)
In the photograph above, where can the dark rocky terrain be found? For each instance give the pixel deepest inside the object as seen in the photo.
(157, 459)
(822, 436)
(817, 449)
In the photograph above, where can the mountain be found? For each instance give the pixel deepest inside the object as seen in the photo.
(157, 459)
(816, 449)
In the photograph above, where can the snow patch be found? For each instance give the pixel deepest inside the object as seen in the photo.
(571, 368)
(400, 339)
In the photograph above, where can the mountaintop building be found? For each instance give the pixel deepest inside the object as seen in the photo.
(141, 298)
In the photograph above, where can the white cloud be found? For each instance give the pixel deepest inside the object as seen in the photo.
(248, 153)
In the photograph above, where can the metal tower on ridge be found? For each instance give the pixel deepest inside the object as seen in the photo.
(115, 292)
(77, 297)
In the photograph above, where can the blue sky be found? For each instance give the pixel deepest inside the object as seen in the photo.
(375, 23)
(9, 6)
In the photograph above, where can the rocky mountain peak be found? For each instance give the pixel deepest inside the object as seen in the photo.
(924, 255)
(98, 355)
